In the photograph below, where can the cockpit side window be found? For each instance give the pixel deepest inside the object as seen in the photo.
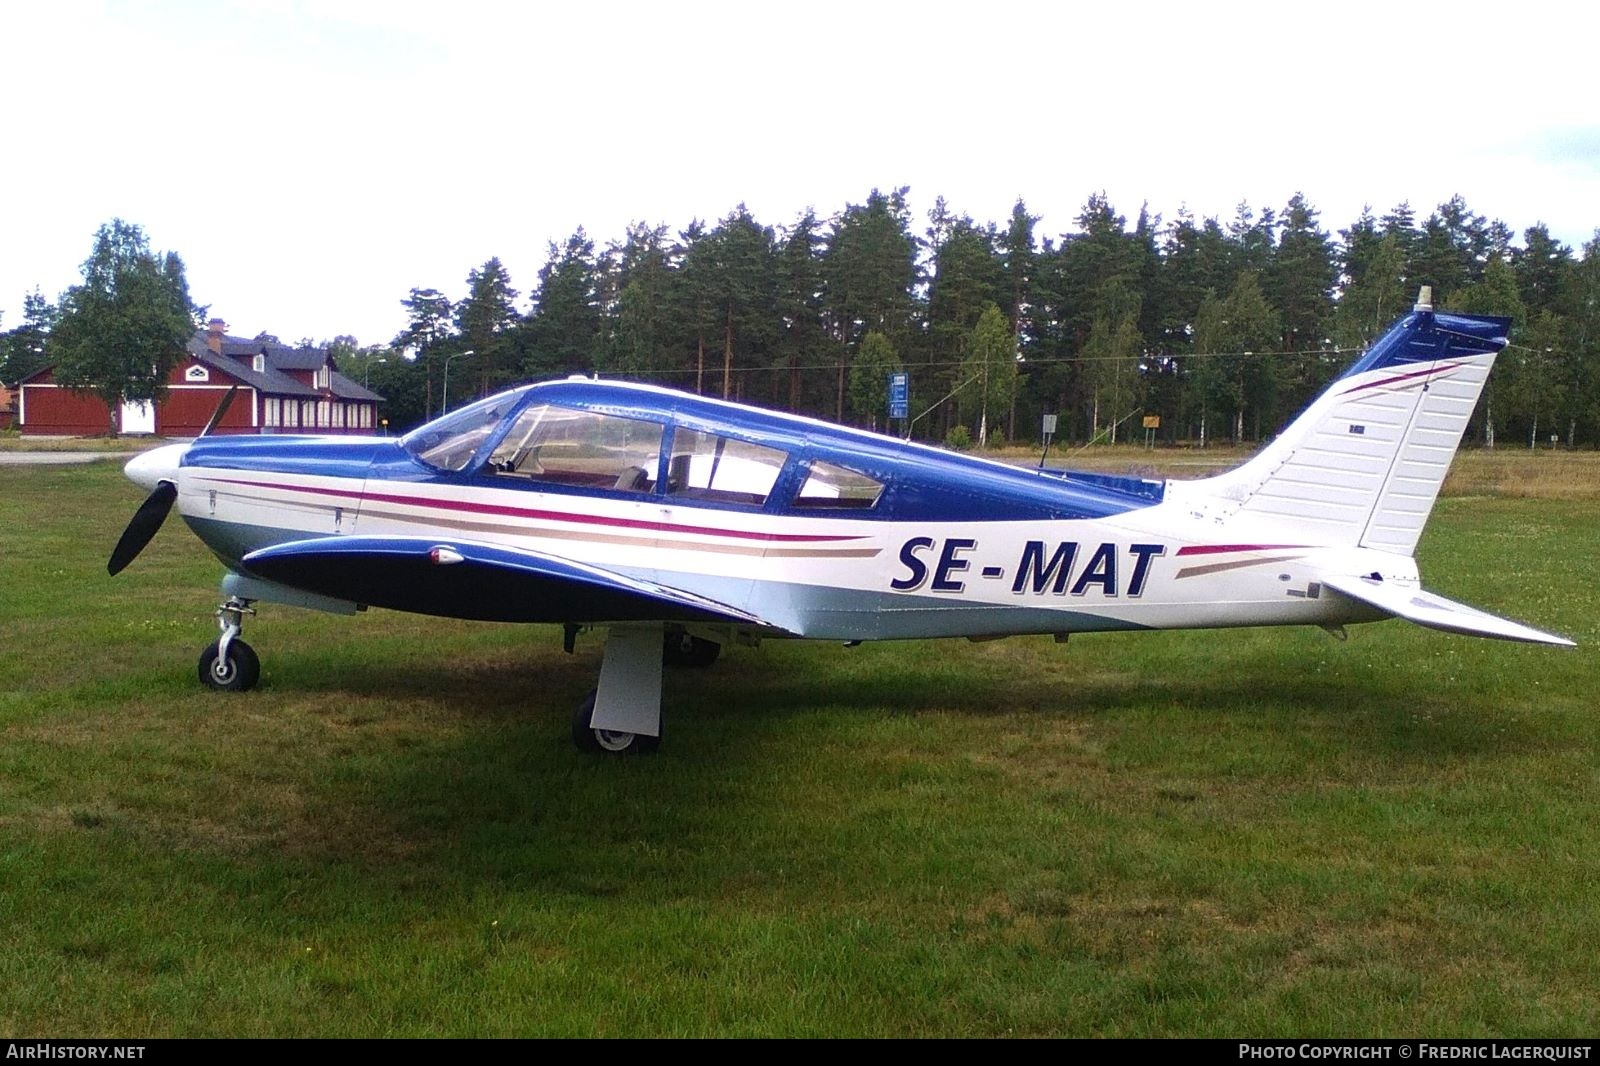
(831, 486)
(449, 443)
(585, 449)
(705, 466)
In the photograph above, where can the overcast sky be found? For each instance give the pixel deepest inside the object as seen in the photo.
(314, 161)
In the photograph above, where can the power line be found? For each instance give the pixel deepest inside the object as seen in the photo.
(1022, 364)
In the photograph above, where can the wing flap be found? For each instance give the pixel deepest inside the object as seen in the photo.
(1409, 601)
(485, 582)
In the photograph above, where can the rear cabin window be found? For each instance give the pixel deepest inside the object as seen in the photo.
(705, 466)
(586, 449)
(835, 487)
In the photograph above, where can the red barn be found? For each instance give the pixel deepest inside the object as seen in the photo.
(281, 390)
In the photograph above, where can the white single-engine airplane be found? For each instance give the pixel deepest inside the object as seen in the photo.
(679, 523)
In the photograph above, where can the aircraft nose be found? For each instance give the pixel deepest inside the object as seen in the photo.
(148, 469)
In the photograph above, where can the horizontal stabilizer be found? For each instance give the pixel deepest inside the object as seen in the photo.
(1408, 600)
(488, 582)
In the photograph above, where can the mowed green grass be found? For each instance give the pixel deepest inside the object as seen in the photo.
(1244, 832)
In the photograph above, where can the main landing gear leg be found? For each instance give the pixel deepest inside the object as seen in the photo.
(229, 664)
(624, 714)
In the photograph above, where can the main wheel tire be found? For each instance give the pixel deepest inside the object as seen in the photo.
(238, 673)
(605, 741)
(682, 650)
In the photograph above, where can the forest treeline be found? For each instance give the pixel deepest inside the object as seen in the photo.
(1222, 328)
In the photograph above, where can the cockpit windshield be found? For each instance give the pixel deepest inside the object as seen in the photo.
(450, 441)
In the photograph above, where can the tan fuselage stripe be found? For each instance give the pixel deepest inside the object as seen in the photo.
(1216, 568)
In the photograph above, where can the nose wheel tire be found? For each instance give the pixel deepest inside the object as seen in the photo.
(605, 741)
(238, 672)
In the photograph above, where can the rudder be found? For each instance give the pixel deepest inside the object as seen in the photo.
(1363, 464)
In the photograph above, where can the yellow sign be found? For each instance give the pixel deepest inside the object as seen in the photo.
(1152, 421)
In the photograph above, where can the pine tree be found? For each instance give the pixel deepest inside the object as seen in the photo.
(1017, 260)
(868, 271)
(1300, 287)
(486, 322)
(562, 333)
(1401, 223)
(428, 332)
(645, 328)
(1253, 239)
(22, 350)
(739, 273)
(1301, 279)
(801, 338)
(1541, 265)
(1237, 371)
(1374, 297)
(1454, 248)
(695, 296)
(1357, 246)
(967, 277)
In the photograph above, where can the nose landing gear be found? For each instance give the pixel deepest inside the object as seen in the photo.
(229, 664)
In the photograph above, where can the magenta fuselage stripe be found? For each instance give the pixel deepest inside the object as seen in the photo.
(1218, 549)
(1404, 377)
(528, 512)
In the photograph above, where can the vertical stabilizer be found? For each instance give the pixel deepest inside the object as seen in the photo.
(1363, 464)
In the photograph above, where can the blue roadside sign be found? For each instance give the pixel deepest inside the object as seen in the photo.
(900, 395)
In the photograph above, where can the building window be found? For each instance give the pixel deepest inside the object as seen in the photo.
(272, 412)
(338, 416)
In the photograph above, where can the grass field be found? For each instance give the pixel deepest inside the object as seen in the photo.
(12, 442)
(1250, 832)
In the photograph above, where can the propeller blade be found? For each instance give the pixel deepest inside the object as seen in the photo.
(146, 520)
(222, 409)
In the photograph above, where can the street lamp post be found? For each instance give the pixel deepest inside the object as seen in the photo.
(366, 375)
(444, 400)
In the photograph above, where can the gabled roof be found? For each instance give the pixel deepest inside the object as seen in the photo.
(346, 389)
(279, 357)
(285, 358)
(270, 380)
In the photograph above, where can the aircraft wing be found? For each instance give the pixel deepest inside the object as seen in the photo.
(1409, 601)
(486, 582)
